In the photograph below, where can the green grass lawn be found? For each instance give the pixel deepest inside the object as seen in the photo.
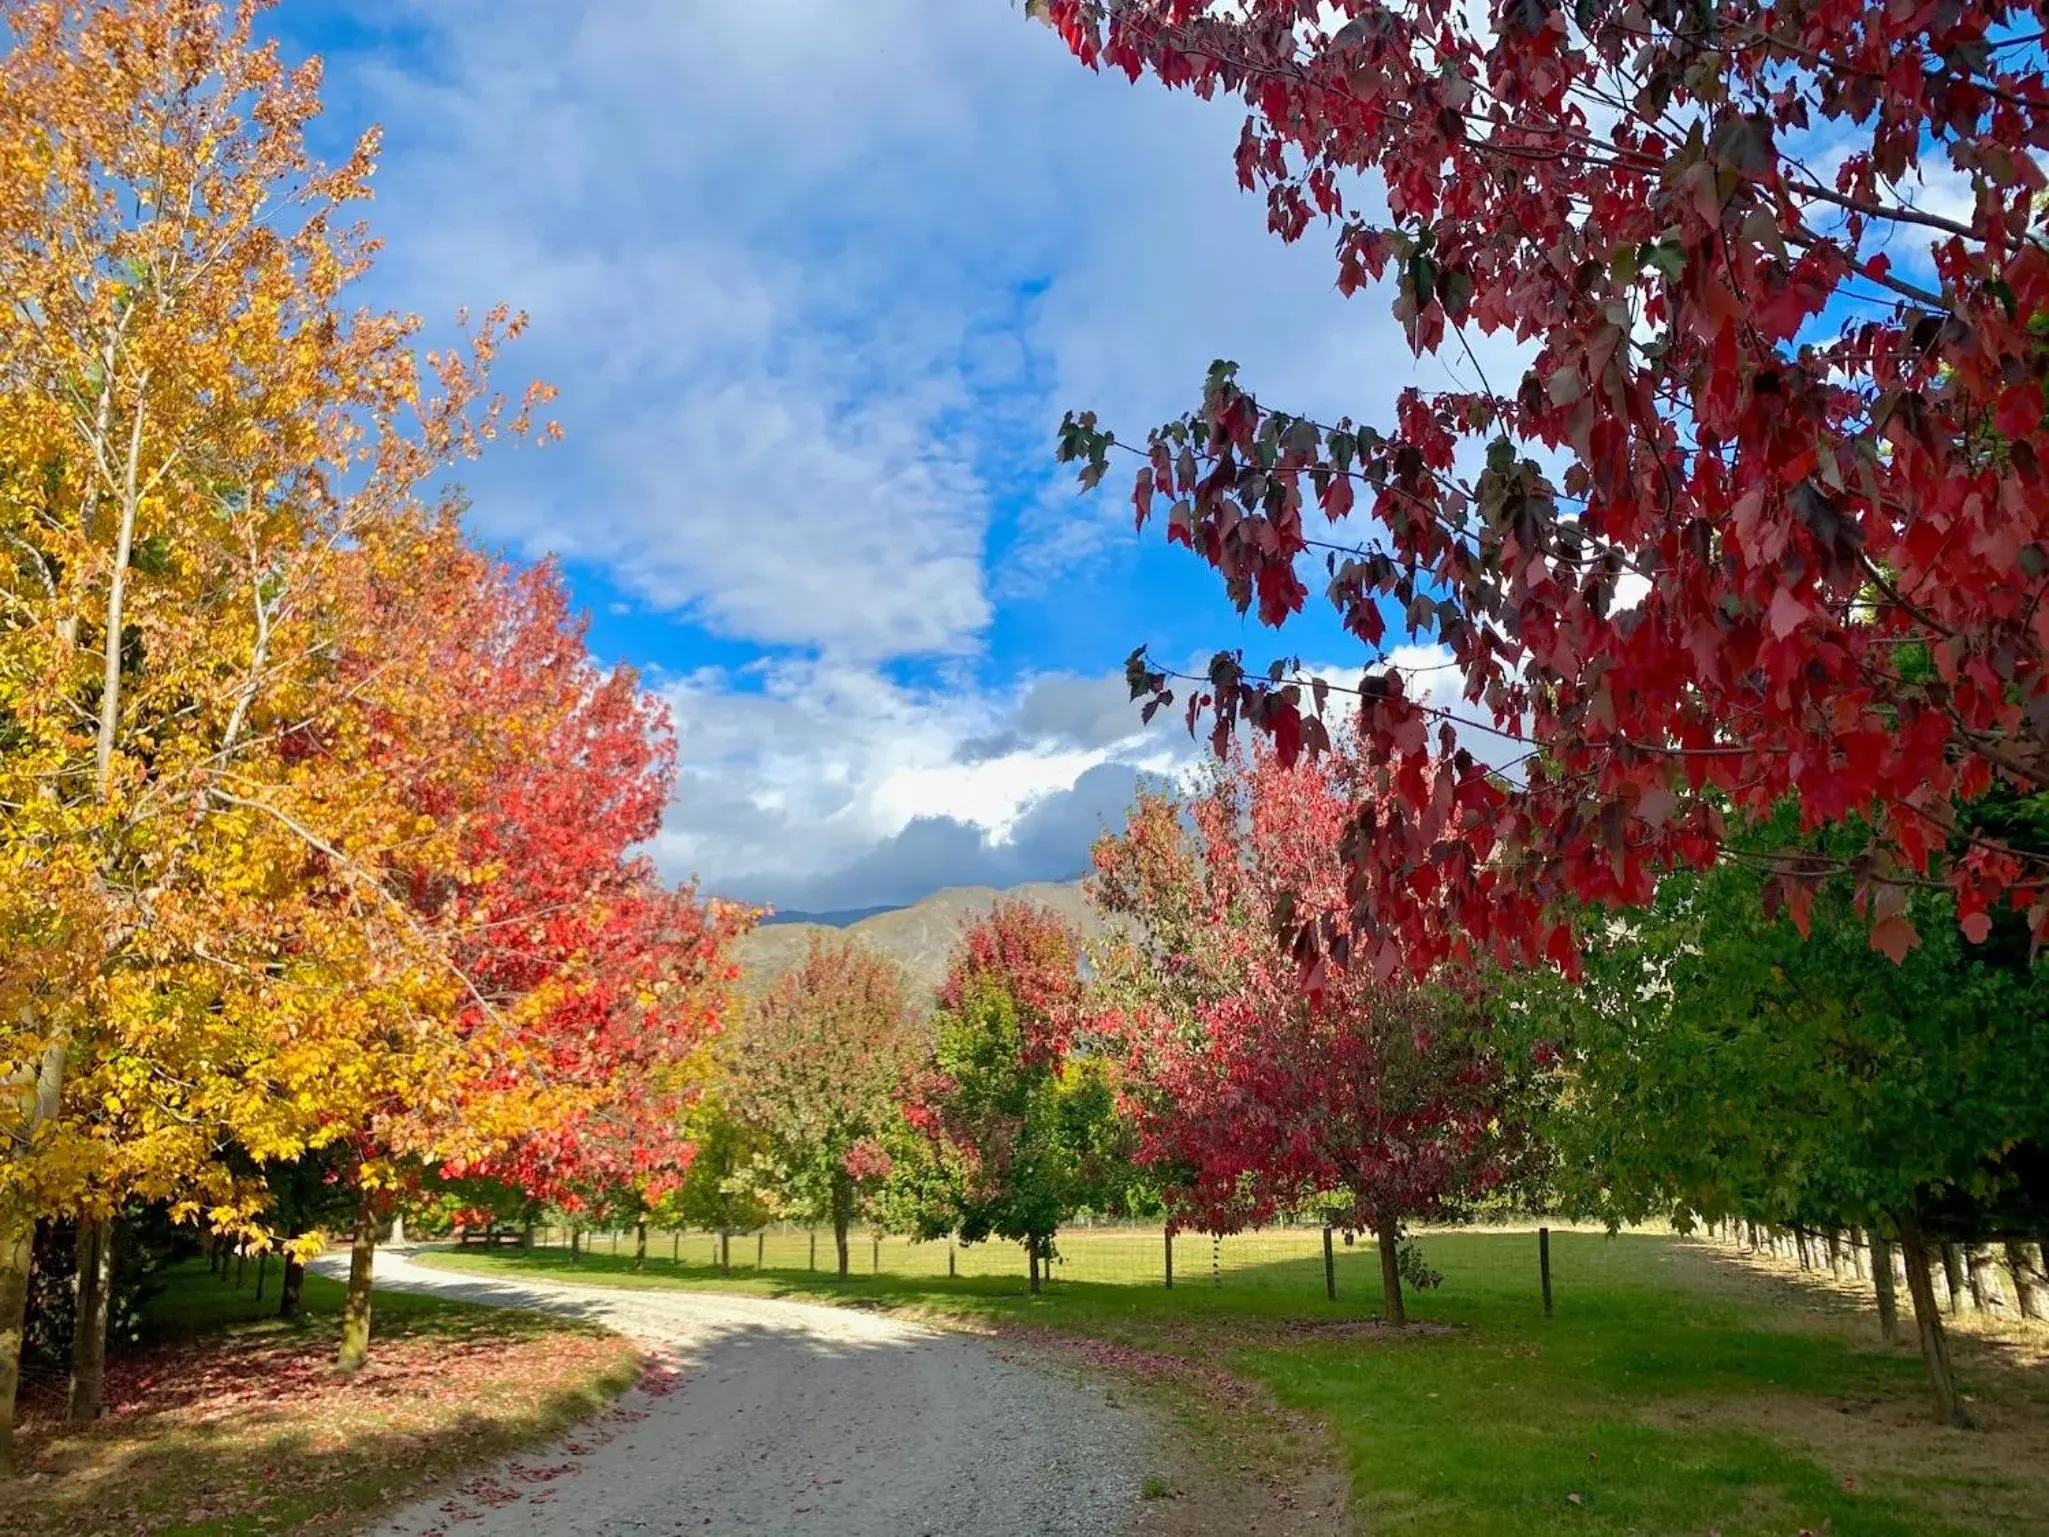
(1674, 1391)
(226, 1421)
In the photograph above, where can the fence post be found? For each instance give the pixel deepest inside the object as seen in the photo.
(1170, 1259)
(1544, 1265)
(1330, 1267)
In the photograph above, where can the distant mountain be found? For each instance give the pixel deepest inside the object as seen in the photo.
(918, 937)
(839, 920)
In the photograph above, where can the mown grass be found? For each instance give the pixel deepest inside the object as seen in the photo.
(230, 1422)
(1674, 1390)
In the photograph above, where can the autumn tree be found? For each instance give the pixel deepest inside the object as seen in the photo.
(1021, 1114)
(728, 1182)
(201, 433)
(816, 1066)
(1373, 1100)
(1714, 1064)
(595, 987)
(1738, 497)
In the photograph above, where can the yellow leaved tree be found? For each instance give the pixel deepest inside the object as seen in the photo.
(203, 942)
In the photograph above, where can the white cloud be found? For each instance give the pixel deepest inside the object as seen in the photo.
(828, 786)
(815, 281)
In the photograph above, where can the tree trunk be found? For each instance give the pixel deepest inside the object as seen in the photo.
(289, 1287)
(1390, 1273)
(840, 1217)
(640, 1244)
(92, 1285)
(2027, 1277)
(1544, 1265)
(1953, 1276)
(575, 1245)
(1330, 1266)
(1032, 1262)
(1881, 1284)
(526, 1235)
(355, 1336)
(725, 1248)
(1834, 1242)
(17, 1248)
(1949, 1409)
(40, 1102)
(398, 1232)
(262, 1269)
(1982, 1278)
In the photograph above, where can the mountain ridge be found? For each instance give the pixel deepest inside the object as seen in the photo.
(918, 936)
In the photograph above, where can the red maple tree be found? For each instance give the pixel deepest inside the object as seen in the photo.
(1762, 518)
(1375, 1104)
(597, 982)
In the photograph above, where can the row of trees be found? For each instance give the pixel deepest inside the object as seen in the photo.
(1712, 1064)
(1731, 526)
(317, 826)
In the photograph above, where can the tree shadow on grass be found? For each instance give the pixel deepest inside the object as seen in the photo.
(245, 1425)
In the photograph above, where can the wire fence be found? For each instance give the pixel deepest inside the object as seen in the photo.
(1289, 1258)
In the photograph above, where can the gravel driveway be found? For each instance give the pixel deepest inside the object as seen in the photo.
(786, 1418)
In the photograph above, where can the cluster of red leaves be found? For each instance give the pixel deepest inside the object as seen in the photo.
(1800, 541)
(557, 773)
(1036, 958)
(1252, 1094)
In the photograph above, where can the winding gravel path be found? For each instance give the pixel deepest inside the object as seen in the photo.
(786, 1418)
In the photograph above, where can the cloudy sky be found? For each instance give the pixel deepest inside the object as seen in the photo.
(816, 281)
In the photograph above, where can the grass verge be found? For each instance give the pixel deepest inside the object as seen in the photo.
(230, 1422)
(1676, 1390)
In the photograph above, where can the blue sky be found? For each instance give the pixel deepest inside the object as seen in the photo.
(815, 282)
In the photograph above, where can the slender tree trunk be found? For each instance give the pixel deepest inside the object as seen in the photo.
(725, 1248)
(640, 1244)
(17, 1248)
(39, 1102)
(1834, 1242)
(2027, 1277)
(1032, 1263)
(526, 1235)
(1881, 1284)
(262, 1269)
(290, 1286)
(1953, 1276)
(575, 1245)
(1390, 1272)
(92, 1285)
(1330, 1266)
(355, 1336)
(840, 1217)
(398, 1232)
(1949, 1409)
